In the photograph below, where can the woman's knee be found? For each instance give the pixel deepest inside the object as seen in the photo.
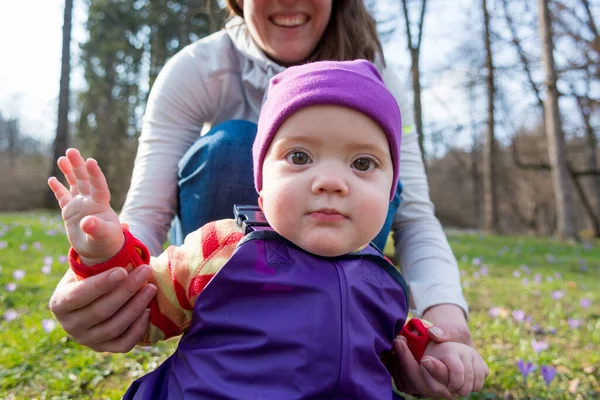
(226, 146)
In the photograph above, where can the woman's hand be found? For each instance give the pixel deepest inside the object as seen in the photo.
(425, 379)
(450, 324)
(105, 312)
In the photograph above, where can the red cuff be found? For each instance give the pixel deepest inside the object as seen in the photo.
(133, 252)
(417, 342)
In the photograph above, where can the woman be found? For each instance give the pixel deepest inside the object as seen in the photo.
(221, 81)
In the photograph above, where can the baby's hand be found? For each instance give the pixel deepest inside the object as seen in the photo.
(466, 370)
(92, 226)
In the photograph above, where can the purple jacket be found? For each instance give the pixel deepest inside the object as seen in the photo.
(279, 323)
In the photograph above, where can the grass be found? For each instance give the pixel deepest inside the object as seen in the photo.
(36, 364)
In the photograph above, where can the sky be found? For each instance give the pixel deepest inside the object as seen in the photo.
(31, 45)
(31, 36)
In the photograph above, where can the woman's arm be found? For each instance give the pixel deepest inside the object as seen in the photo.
(106, 312)
(426, 259)
(427, 262)
(178, 105)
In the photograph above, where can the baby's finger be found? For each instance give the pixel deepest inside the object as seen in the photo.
(100, 192)
(481, 372)
(97, 228)
(61, 193)
(456, 371)
(78, 164)
(65, 166)
(434, 386)
(467, 386)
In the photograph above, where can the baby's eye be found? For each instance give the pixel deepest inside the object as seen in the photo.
(298, 158)
(364, 164)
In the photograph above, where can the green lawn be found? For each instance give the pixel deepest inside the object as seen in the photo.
(39, 362)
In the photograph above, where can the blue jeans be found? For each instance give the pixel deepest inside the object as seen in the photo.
(216, 173)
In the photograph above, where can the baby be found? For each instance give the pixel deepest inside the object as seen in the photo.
(292, 302)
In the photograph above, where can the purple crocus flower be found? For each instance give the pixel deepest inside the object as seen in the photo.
(537, 278)
(525, 282)
(476, 275)
(37, 245)
(551, 330)
(46, 269)
(62, 259)
(558, 294)
(18, 274)
(539, 346)
(3, 244)
(10, 315)
(585, 303)
(47, 260)
(484, 270)
(517, 274)
(548, 373)
(550, 258)
(526, 368)
(537, 328)
(574, 323)
(23, 247)
(558, 276)
(477, 261)
(518, 315)
(11, 287)
(525, 269)
(494, 312)
(48, 325)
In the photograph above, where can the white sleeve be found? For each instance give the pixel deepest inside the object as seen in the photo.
(426, 259)
(177, 107)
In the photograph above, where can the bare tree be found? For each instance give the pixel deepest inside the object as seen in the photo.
(489, 148)
(556, 142)
(61, 141)
(414, 47)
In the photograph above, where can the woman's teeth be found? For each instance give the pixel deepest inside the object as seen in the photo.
(289, 22)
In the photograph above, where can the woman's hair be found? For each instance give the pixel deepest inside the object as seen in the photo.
(350, 34)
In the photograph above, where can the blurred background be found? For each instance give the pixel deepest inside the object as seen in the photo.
(508, 133)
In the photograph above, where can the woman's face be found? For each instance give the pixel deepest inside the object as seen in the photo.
(286, 30)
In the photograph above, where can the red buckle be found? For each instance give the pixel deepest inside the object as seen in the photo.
(417, 342)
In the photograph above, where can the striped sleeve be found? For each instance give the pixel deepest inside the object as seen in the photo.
(179, 273)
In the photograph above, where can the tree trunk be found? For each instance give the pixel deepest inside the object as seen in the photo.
(592, 159)
(415, 48)
(61, 141)
(490, 222)
(416, 81)
(565, 224)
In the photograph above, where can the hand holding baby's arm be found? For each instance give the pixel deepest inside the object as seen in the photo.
(92, 226)
(466, 369)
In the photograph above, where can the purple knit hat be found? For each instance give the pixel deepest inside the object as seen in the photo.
(353, 84)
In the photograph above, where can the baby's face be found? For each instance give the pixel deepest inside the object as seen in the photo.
(327, 179)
